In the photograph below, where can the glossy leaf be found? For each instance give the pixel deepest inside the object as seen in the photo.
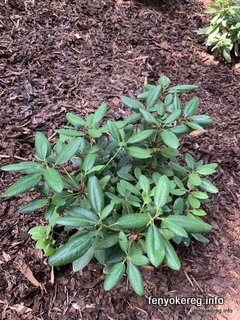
(138, 153)
(162, 192)
(75, 120)
(53, 179)
(68, 151)
(114, 275)
(170, 139)
(135, 279)
(154, 246)
(33, 206)
(133, 221)
(153, 96)
(95, 195)
(23, 166)
(140, 136)
(42, 146)
(84, 260)
(131, 103)
(171, 257)
(190, 224)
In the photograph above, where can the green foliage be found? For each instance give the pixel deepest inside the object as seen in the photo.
(223, 32)
(118, 187)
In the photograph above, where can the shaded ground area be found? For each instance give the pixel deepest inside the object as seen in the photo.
(59, 56)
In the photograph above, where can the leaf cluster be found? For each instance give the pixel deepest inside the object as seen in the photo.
(223, 32)
(117, 189)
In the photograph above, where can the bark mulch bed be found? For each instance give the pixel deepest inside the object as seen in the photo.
(59, 56)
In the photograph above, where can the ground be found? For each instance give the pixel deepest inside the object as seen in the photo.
(59, 56)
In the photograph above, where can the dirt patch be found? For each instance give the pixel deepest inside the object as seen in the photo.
(58, 56)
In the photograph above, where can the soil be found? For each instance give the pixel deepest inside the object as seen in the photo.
(59, 56)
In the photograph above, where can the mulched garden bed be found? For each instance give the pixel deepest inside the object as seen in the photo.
(59, 56)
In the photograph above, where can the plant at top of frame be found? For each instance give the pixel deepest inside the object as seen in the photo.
(117, 189)
(223, 32)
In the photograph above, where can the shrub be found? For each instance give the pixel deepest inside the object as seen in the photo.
(116, 190)
(223, 32)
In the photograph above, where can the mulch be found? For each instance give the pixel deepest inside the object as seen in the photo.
(59, 56)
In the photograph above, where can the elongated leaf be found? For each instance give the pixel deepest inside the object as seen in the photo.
(162, 192)
(123, 241)
(53, 179)
(199, 195)
(94, 133)
(140, 136)
(153, 96)
(191, 107)
(33, 206)
(171, 257)
(95, 168)
(70, 132)
(208, 186)
(144, 183)
(202, 120)
(189, 161)
(99, 114)
(84, 260)
(75, 120)
(139, 260)
(170, 139)
(114, 131)
(138, 153)
(133, 221)
(173, 116)
(115, 274)
(95, 195)
(23, 166)
(129, 187)
(182, 88)
(106, 211)
(148, 117)
(131, 103)
(24, 184)
(190, 224)
(207, 169)
(194, 179)
(174, 227)
(76, 246)
(42, 146)
(135, 279)
(88, 161)
(81, 212)
(154, 245)
(68, 151)
(74, 222)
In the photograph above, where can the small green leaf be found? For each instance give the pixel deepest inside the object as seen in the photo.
(81, 212)
(74, 222)
(148, 117)
(164, 81)
(140, 136)
(106, 211)
(114, 131)
(133, 220)
(84, 260)
(135, 279)
(24, 184)
(208, 186)
(153, 96)
(139, 260)
(95, 195)
(76, 246)
(75, 120)
(171, 257)
(129, 187)
(194, 179)
(190, 224)
(94, 133)
(131, 103)
(39, 232)
(53, 179)
(114, 275)
(170, 139)
(138, 153)
(174, 227)
(33, 206)
(207, 169)
(68, 151)
(42, 146)
(99, 114)
(173, 116)
(154, 246)
(144, 183)
(202, 120)
(189, 161)
(191, 107)
(199, 195)
(88, 161)
(123, 241)
(95, 169)
(194, 202)
(182, 88)
(30, 166)
(162, 192)
(199, 237)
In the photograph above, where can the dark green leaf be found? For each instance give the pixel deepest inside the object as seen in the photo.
(208, 186)
(33, 206)
(135, 279)
(131, 103)
(174, 227)
(76, 246)
(74, 222)
(23, 166)
(138, 153)
(148, 117)
(190, 224)
(114, 131)
(133, 221)
(140, 136)
(171, 257)
(191, 107)
(24, 184)
(75, 120)
(182, 88)
(162, 192)
(99, 114)
(154, 246)
(123, 241)
(170, 139)
(70, 132)
(84, 260)
(42, 146)
(114, 275)
(173, 116)
(144, 183)
(53, 179)
(88, 162)
(153, 96)
(95, 195)
(139, 260)
(68, 151)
